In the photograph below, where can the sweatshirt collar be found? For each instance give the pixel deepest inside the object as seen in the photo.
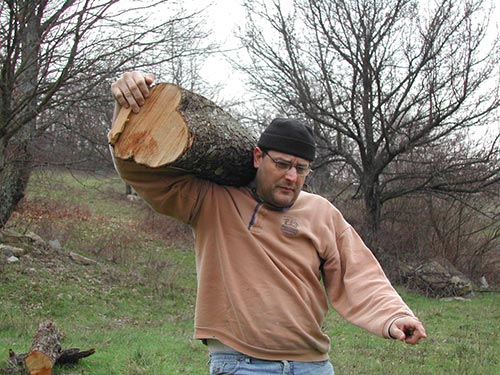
(253, 188)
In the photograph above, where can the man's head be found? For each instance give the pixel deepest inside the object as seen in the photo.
(290, 137)
(282, 158)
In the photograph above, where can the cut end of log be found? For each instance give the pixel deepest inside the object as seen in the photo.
(157, 135)
(38, 363)
(119, 125)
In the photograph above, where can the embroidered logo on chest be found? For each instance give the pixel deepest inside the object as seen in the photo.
(290, 226)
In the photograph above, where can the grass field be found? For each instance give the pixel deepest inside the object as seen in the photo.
(135, 306)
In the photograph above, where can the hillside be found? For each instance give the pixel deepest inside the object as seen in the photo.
(118, 278)
(135, 282)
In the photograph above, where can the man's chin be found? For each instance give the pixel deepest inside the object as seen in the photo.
(284, 201)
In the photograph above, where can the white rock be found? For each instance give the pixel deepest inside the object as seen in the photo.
(80, 259)
(55, 244)
(12, 259)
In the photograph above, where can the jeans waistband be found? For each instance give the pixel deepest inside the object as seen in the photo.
(239, 363)
(237, 356)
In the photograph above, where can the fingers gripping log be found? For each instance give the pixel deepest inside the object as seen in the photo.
(179, 128)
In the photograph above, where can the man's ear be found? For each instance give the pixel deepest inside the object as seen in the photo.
(257, 157)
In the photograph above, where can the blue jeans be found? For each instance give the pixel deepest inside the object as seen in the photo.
(240, 364)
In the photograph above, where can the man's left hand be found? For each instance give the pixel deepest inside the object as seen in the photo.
(407, 329)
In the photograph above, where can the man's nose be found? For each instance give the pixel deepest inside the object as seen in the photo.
(291, 174)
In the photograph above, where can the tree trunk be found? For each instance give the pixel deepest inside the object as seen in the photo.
(373, 212)
(14, 176)
(182, 129)
(15, 159)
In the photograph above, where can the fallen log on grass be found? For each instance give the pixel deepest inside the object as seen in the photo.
(185, 130)
(45, 349)
(46, 352)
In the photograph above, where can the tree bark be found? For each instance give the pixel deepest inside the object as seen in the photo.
(182, 129)
(45, 350)
(15, 159)
(15, 168)
(373, 211)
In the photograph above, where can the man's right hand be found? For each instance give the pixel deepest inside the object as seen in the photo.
(132, 89)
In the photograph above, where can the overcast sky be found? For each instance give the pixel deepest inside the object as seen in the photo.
(223, 17)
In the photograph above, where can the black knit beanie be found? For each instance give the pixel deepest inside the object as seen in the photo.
(289, 136)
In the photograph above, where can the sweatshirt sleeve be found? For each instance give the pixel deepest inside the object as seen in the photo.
(357, 286)
(170, 191)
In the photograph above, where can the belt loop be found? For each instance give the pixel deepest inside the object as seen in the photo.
(286, 367)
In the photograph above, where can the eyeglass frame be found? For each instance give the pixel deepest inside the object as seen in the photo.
(285, 166)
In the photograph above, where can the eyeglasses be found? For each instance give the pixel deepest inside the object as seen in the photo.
(283, 165)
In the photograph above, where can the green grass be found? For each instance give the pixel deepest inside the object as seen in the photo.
(135, 307)
(462, 339)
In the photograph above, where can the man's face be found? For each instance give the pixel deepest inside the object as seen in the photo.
(276, 186)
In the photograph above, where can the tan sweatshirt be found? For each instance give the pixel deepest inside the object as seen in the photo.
(261, 290)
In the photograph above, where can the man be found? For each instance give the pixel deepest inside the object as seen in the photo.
(269, 256)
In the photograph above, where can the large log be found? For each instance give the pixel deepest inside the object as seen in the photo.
(182, 129)
(45, 350)
(67, 356)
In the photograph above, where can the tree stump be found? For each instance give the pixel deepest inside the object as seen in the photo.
(182, 129)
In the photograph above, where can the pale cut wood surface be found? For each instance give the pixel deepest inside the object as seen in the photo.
(156, 136)
(39, 363)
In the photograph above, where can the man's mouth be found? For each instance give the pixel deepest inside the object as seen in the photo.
(287, 189)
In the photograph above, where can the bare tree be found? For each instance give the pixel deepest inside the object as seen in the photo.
(76, 137)
(54, 53)
(384, 83)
